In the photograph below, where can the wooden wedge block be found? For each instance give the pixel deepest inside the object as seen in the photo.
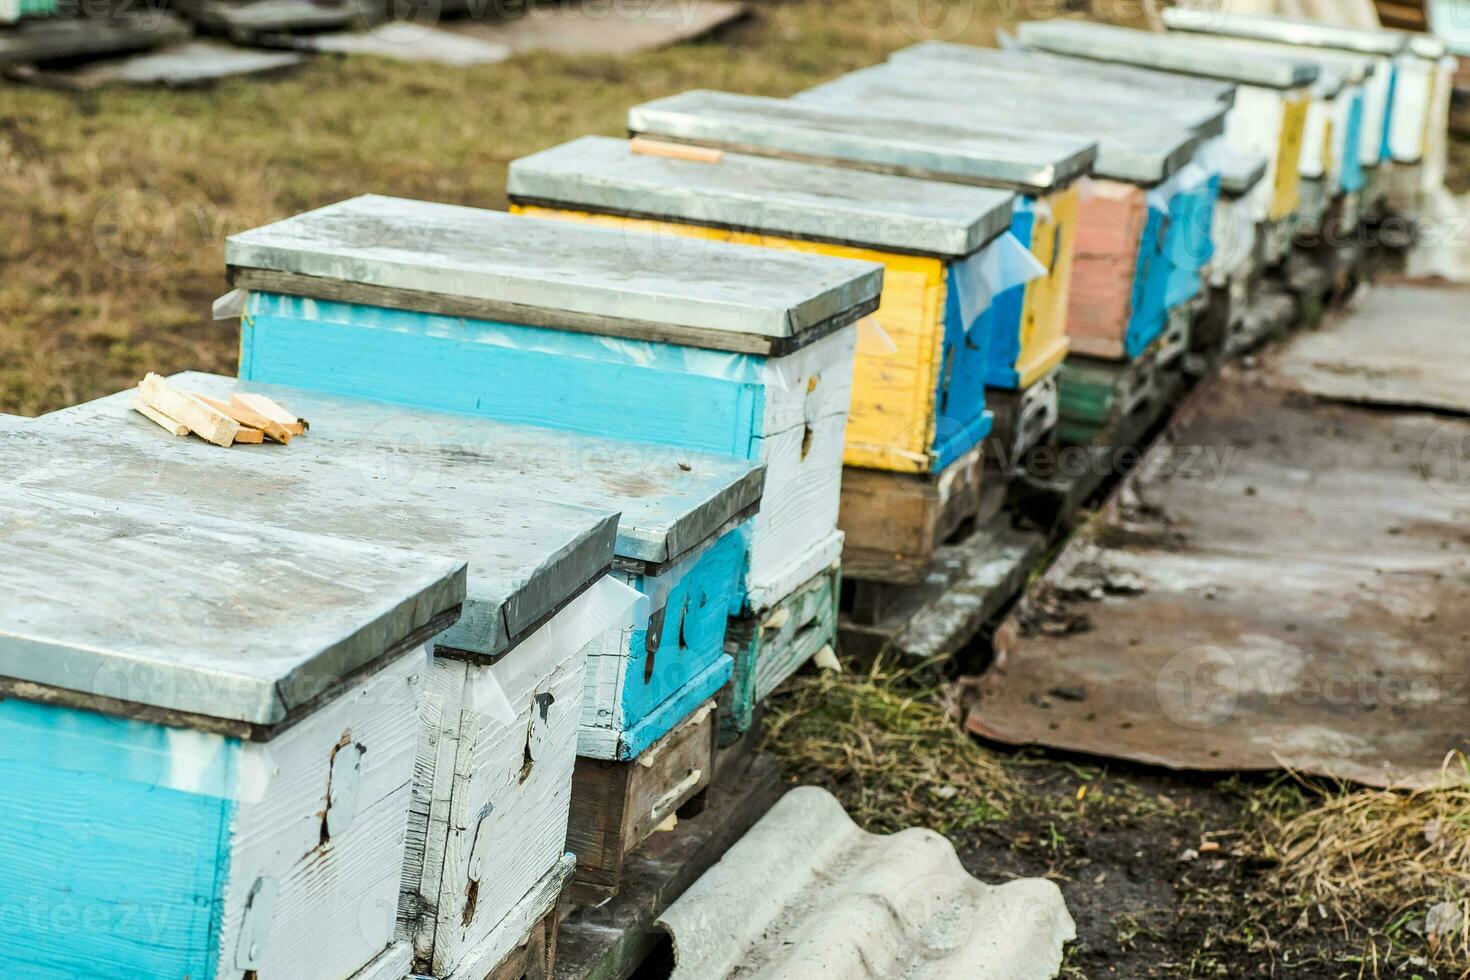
(271, 410)
(154, 415)
(249, 436)
(248, 417)
(209, 424)
(675, 151)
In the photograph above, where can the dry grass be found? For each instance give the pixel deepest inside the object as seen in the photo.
(1394, 866)
(891, 753)
(114, 206)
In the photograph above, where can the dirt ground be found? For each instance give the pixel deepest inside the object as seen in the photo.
(1166, 874)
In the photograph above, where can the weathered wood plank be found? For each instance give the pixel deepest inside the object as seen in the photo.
(617, 805)
(893, 522)
(769, 647)
(610, 941)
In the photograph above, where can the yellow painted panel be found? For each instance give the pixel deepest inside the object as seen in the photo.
(1289, 157)
(1044, 316)
(891, 424)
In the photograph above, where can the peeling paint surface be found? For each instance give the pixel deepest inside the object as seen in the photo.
(808, 895)
(1283, 582)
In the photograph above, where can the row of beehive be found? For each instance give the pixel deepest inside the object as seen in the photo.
(257, 728)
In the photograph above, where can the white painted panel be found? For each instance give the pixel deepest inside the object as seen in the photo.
(392, 964)
(1253, 125)
(1411, 107)
(808, 394)
(335, 897)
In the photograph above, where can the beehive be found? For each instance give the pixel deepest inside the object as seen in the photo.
(577, 328)
(499, 712)
(918, 398)
(1160, 254)
(1271, 99)
(1042, 169)
(207, 738)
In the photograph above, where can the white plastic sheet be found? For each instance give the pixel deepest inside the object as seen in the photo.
(1003, 264)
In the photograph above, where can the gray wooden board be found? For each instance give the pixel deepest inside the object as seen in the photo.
(1135, 143)
(528, 556)
(1336, 69)
(564, 267)
(400, 41)
(1078, 69)
(49, 39)
(1010, 94)
(1404, 345)
(968, 584)
(1020, 85)
(188, 65)
(986, 155)
(1169, 52)
(671, 500)
(1288, 30)
(587, 29)
(767, 196)
(219, 618)
(248, 21)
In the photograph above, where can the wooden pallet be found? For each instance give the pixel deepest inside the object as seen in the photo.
(535, 959)
(611, 941)
(616, 806)
(769, 647)
(968, 585)
(893, 522)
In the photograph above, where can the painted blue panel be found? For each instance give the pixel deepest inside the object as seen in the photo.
(698, 690)
(1352, 160)
(1385, 150)
(962, 420)
(659, 393)
(1006, 309)
(1188, 243)
(1149, 283)
(105, 872)
(700, 600)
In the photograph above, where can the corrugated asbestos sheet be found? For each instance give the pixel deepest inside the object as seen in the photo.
(807, 895)
(1284, 582)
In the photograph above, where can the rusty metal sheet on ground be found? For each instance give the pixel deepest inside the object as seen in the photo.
(1283, 582)
(1402, 345)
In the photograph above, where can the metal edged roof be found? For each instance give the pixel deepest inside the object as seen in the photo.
(1241, 173)
(807, 893)
(1336, 68)
(1130, 147)
(558, 274)
(393, 487)
(1058, 66)
(1010, 95)
(671, 501)
(1168, 52)
(1287, 30)
(991, 156)
(110, 603)
(767, 196)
